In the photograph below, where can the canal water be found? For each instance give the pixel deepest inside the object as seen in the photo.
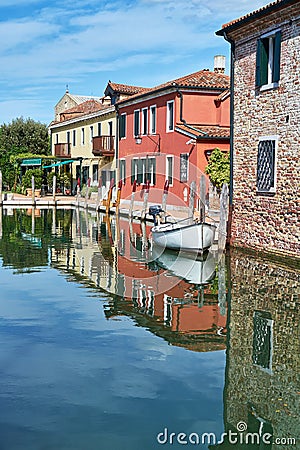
(107, 343)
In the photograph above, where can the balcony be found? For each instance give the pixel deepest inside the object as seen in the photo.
(62, 150)
(103, 146)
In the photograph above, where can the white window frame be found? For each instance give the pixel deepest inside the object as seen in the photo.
(271, 37)
(168, 158)
(152, 124)
(169, 117)
(143, 162)
(137, 112)
(151, 174)
(123, 175)
(144, 112)
(272, 189)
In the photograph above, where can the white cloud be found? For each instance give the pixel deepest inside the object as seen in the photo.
(71, 41)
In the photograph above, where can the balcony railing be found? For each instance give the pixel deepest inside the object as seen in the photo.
(62, 150)
(103, 146)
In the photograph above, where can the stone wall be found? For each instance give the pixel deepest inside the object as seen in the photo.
(268, 222)
(261, 285)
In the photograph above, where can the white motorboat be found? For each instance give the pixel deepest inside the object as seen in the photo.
(195, 237)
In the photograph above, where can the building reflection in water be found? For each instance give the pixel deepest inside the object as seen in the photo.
(262, 368)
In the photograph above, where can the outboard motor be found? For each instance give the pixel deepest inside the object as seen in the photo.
(155, 211)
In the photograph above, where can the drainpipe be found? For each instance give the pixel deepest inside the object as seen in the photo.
(117, 144)
(232, 61)
(179, 93)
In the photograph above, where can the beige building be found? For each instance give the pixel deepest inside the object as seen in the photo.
(84, 135)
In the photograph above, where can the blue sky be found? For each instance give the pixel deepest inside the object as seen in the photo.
(48, 45)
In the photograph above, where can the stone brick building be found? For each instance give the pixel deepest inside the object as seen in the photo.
(265, 141)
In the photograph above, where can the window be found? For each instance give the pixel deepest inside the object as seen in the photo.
(170, 116)
(143, 170)
(110, 128)
(99, 129)
(122, 124)
(56, 138)
(268, 60)
(123, 170)
(95, 172)
(145, 121)
(136, 126)
(151, 170)
(68, 137)
(184, 161)
(91, 133)
(74, 138)
(134, 170)
(266, 164)
(169, 169)
(82, 136)
(153, 119)
(262, 340)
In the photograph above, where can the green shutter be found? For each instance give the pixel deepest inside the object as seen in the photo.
(277, 48)
(258, 50)
(140, 171)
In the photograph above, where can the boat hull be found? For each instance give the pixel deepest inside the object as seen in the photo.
(196, 237)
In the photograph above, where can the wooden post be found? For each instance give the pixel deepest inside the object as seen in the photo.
(112, 183)
(99, 194)
(145, 204)
(192, 200)
(87, 191)
(202, 197)
(164, 200)
(120, 184)
(54, 188)
(1, 199)
(33, 190)
(222, 285)
(132, 199)
(223, 217)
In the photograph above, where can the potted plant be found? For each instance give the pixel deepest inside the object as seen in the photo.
(27, 181)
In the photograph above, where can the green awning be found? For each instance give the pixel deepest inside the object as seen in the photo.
(60, 163)
(32, 162)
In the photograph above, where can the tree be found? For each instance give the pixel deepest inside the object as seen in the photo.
(218, 168)
(21, 136)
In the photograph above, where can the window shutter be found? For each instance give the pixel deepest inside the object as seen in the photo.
(140, 171)
(277, 48)
(258, 49)
(132, 171)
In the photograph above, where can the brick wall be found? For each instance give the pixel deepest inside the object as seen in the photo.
(269, 222)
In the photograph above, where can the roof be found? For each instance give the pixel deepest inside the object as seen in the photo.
(265, 10)
(204, 131)
(204, 79)
(125, 88)
(86, 107)
(82, 98)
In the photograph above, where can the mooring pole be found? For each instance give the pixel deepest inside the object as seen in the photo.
(33, 190)
(223, 217)
(87, 191)
(118, 200)
(202, 197)
(99, 193)
(164, 200)
(192, 199)
(109, 196)
(54, 188)
(132, 199)
(146, 196)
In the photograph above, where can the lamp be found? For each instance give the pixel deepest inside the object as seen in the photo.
(138, 140)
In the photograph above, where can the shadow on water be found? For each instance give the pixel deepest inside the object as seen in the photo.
(244, 303)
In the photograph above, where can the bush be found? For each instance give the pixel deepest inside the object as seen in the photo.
(218, 168)
(38, 178)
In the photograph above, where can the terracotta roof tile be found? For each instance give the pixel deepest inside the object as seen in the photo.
(201, 79)
(85, 108)
(126, 89)
(205, 131)
(258, 12)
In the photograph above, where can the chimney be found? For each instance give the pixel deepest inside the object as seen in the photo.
(219, 64)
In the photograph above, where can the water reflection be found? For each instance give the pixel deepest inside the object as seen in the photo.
(183, 301)
(262, 368)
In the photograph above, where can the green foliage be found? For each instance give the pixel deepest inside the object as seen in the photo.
(27, 177)
(218, 168)
(18, 138)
